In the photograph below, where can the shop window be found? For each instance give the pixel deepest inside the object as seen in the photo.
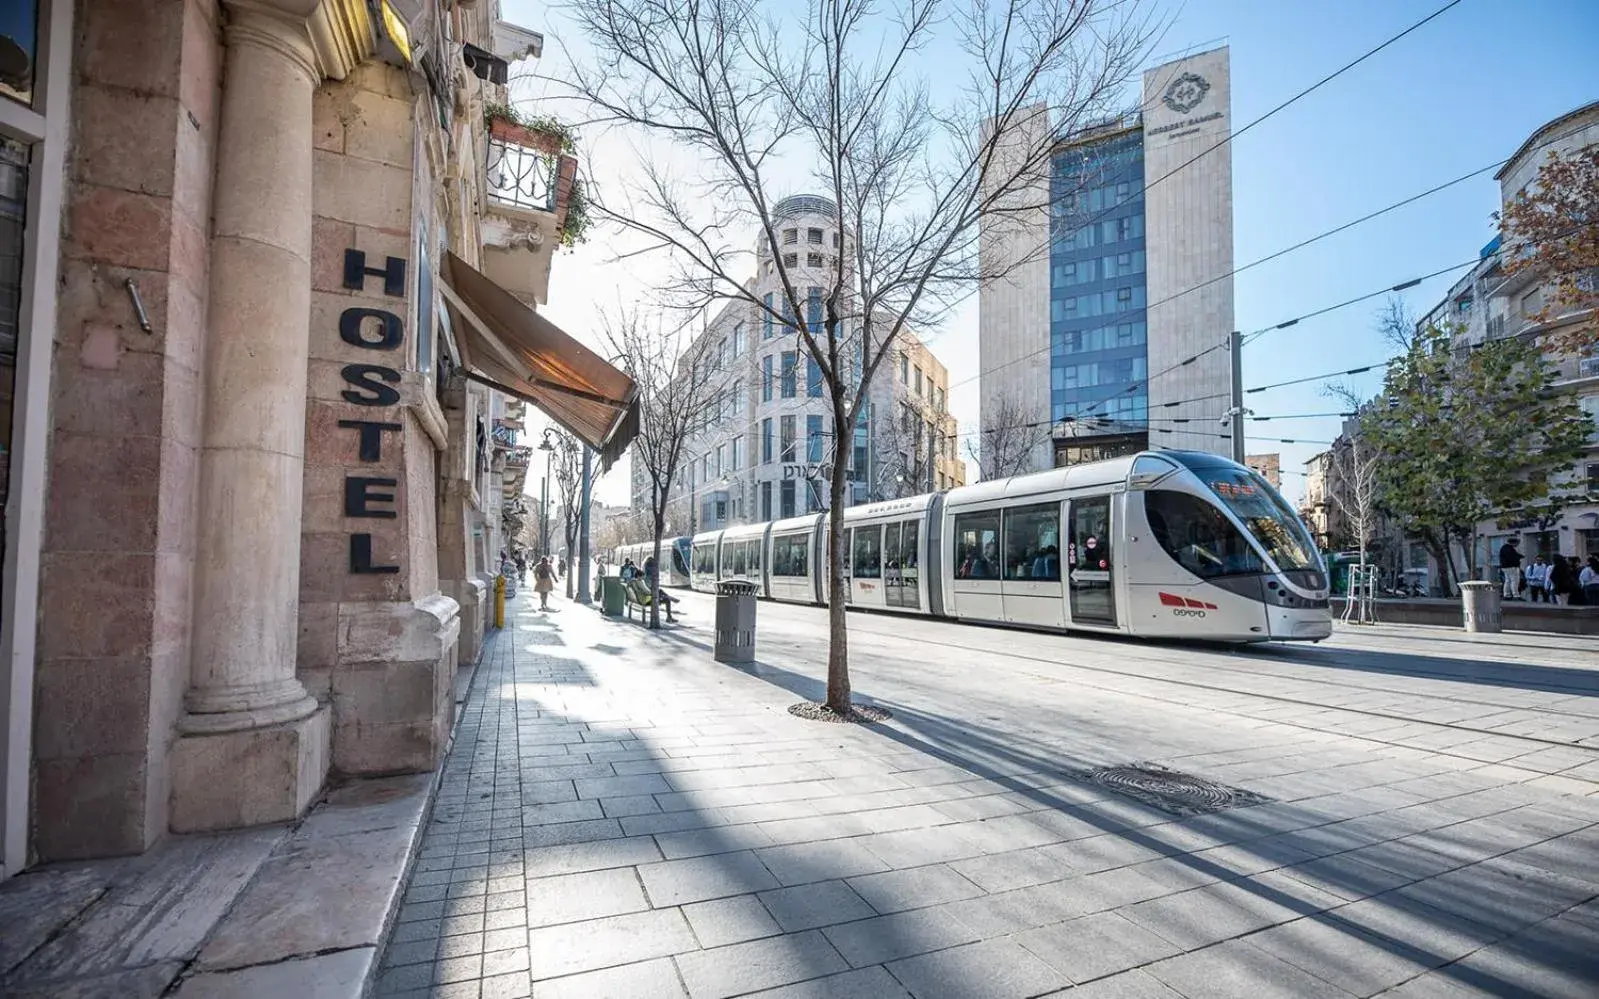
(1032, 543)
(977, 545)
(1197, 535)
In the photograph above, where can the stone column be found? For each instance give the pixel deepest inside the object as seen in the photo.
(255, 743)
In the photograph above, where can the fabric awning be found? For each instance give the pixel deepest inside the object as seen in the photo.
(508, 346)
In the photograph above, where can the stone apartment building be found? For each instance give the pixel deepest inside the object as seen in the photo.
(1489, 303)
(762, 447)
(268, 278)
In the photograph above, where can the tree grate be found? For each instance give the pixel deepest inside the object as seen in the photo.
(1172, 791)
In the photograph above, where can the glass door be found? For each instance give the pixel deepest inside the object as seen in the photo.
(893, 576)
(1090, 567)
(910, 570)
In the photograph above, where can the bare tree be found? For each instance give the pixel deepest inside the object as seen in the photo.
(1007, 441)
(906, 454)
(1352, 474)
(673, 386)
(568, 475)
(841, 92)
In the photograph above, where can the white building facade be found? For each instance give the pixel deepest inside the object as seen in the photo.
(763, 447)
(1118, 274)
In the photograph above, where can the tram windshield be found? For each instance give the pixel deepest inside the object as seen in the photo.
(1253, 501)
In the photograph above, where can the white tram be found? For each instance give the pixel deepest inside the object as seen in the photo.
(1167, 544)
(674, 552)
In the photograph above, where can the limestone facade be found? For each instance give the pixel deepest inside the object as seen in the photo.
(263, 494)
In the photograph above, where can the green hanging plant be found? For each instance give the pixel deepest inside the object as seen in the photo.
(578, 219)
(548, 124)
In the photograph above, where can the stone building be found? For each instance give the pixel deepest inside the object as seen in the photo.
(762, 448)
(1490, 303)
(1268, 467)
(267, 284)
(1114, 298)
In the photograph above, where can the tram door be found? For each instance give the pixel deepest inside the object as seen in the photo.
(1090, 568)
(901, 575)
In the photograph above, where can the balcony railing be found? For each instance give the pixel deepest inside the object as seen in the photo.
(522, 176)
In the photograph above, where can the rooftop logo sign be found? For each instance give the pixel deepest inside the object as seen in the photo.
(1186, 93)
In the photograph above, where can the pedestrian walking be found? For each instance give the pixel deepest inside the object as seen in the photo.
(1589, 581)
(544, 581)
(1510, 568)
(1538, 580)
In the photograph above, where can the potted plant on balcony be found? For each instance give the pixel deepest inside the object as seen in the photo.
(541, 132)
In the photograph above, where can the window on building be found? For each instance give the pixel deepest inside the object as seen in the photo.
(766, 378)
(766, 441)
(977, 545)
(918, 381)
(786, 494)
(790, 361)
(904, 369)
(813, 236)
(813, 378)
(738, 397)
(1032, 543)
(790, 236)
(1532, 303)
(738, 452)
(791, 260)
(721, 510)
(766, 501)
(1593, 482)
(785, 431)
(1197, 535)
(938, 400)
(813, 260)
(813, 310)
(813, 438)
(721, 458)
(738, 340)
(835, 240)
(766, 317)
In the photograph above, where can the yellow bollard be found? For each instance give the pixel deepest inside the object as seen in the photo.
(499, 601)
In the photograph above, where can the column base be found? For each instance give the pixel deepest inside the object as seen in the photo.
(249, 777)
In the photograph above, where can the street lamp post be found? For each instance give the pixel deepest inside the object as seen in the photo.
(583, 595)
(544, 495)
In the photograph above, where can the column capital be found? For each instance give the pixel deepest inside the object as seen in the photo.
(271, 27)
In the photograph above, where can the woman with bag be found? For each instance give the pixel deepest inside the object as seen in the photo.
(543, 581)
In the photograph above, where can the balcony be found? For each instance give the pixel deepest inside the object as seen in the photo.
(532, 201)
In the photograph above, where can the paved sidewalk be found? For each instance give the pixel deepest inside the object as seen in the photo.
(623, 817)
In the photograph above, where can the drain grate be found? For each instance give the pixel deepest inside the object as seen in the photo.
(1173, 791)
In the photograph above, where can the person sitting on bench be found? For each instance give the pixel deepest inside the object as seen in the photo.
(666, 599)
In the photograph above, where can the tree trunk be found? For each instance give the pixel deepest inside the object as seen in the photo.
(838, 691)
(655, 591)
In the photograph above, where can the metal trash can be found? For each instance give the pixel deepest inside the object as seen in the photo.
(1480, 602)
(735, 621)
(612, 596)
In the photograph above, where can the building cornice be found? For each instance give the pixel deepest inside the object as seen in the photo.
(342, 36)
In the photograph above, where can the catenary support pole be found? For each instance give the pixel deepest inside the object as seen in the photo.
(1236, 344)
(583, 594)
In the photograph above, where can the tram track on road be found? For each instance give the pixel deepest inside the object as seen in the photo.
(1141, 652)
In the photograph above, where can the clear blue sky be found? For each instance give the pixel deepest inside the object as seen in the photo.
(1456, 95)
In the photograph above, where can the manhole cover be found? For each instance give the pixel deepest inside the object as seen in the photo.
(1172, 791)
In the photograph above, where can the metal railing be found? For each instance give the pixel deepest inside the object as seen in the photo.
(521, 177)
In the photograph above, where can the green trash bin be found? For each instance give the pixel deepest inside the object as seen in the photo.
(611, 596)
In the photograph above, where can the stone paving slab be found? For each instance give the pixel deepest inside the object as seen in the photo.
(620, 816)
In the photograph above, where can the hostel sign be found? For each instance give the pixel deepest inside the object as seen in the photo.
(371, 497)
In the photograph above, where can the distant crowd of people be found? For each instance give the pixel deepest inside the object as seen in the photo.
(1558, 579)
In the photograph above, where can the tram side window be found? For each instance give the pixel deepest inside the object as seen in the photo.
(755, 557)
(907, 545)
(788, 555)
(739, 566)
(977, 545)
(1032, 543)
(868, 552)
(1197, 535)
(705, 560)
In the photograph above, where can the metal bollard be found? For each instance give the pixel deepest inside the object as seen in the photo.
(499, 601)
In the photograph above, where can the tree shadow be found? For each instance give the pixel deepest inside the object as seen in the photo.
(1374, 882)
